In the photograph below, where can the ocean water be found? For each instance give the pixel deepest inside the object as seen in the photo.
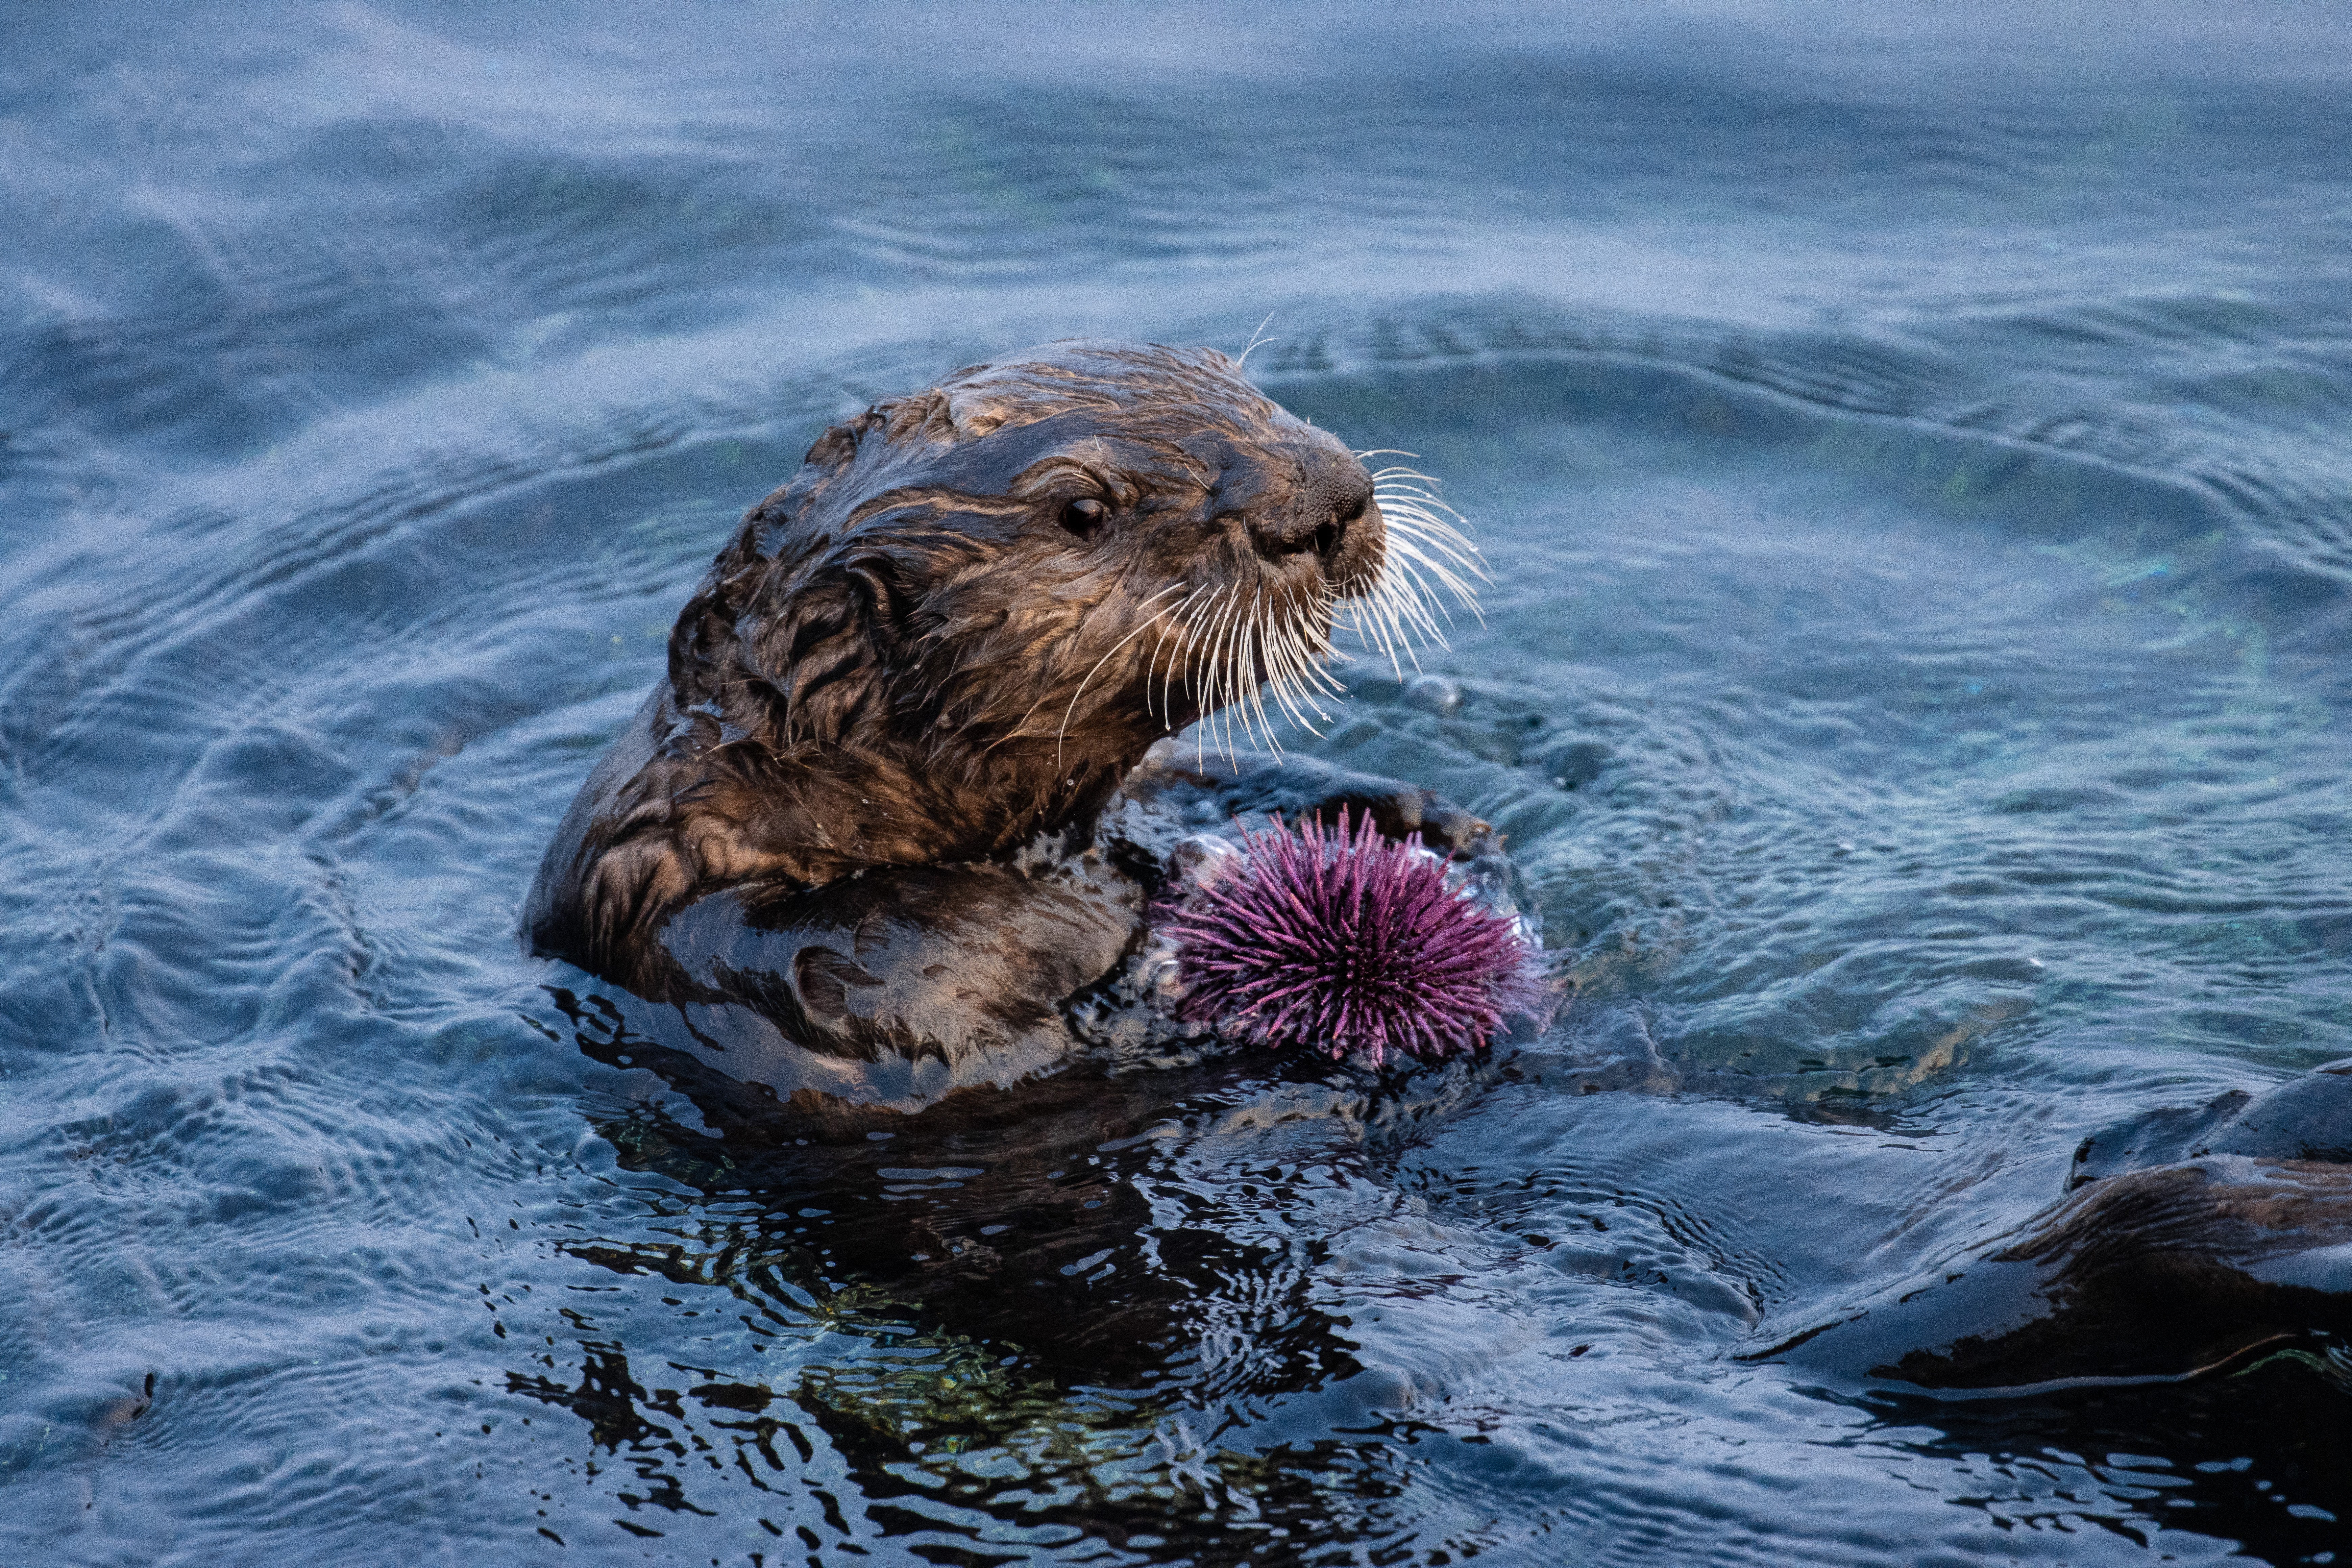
(1914, 449)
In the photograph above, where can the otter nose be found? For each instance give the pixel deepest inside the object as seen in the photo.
(1331, 494)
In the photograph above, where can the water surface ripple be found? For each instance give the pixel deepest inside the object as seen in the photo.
(1915, 448)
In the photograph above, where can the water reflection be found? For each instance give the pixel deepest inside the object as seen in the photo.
(2254, 1456)
(1041, 1303)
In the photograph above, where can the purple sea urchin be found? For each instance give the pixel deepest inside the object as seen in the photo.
(1347, 943)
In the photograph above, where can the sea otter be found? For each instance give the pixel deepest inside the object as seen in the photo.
(952, 636)
(2191, 1241)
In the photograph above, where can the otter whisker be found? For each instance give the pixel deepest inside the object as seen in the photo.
(1313, 681)
(1225, 681)
(1392, 633)
(1195, 634)
(1315, 626)
(1426, 557)
(1279, 653)
(1256, 671)
(1187, 654)
(1256, 341)
(1295, 652)
(1412, 560)
(1286, 697)
(1423, 524)
(1394, 620)
(1427, 517)
(1400, 480)
(1250, 676)
(1254, 724)
(1376, 619)
(1429, 537)
(1062, 734)
(1292, 646)
(1239, 668)
(1375, 615)
(1177, 623)
(1212, 693)
(1151, 670)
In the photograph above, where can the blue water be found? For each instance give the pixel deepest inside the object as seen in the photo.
(1913, 445)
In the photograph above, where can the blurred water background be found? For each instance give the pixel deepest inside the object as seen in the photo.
(1913, 445)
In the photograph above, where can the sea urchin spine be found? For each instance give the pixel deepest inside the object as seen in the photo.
(1345, 943)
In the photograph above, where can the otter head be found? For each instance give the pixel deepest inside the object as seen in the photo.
(973, 608)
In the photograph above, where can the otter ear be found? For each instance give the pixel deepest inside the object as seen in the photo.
(925, 416)
(835, 448)
(839, 442)
(978, 410)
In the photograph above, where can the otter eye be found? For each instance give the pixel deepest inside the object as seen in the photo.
(1083, 515)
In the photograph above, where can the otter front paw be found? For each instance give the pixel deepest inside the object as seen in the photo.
(1299, 788)
(1399, 809)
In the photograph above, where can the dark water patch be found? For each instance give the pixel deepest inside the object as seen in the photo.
(2248, 1459)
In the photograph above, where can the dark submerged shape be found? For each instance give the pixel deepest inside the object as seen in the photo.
(1344, 942)
(958, 628)
(2191, 1241)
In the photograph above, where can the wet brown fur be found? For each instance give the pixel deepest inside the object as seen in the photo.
(910, 654)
